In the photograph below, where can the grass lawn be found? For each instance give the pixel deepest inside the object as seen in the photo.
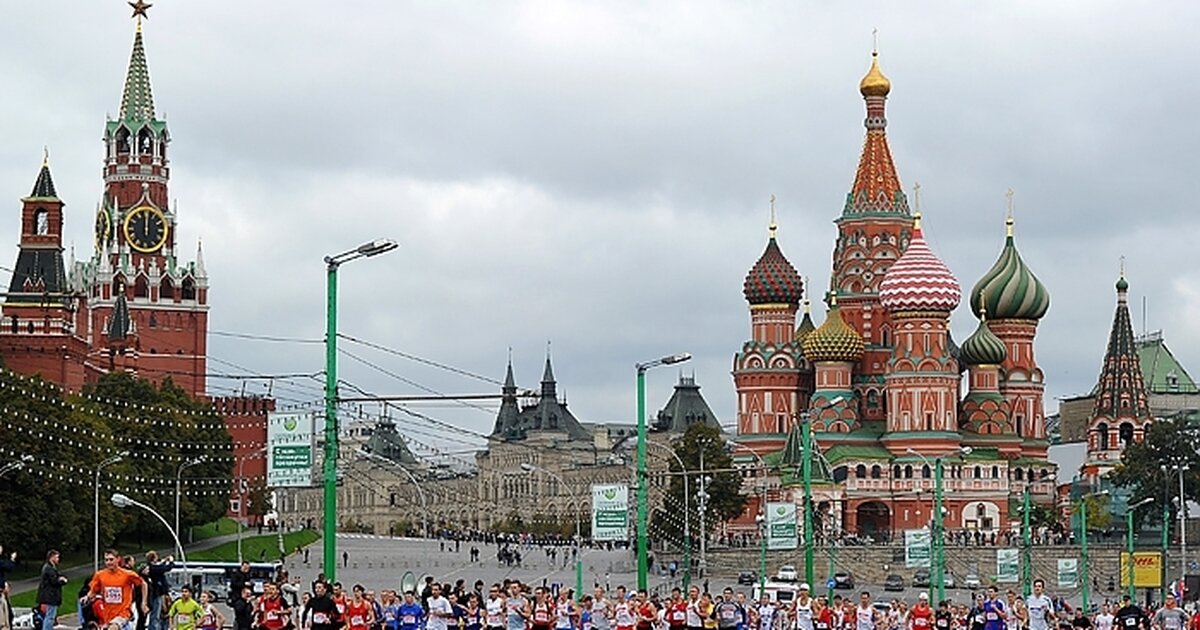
(257, 548)
(216, 528)
(70, 603)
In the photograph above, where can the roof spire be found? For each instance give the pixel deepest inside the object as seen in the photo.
(137, 101)
(917, 204)
(43, 187)
(772, 226)
(1008, 222)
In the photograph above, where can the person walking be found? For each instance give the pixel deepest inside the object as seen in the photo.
(49, 592)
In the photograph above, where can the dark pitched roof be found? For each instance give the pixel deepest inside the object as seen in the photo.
(685, 408)
(1121, 392)
(119, 323)
(547, 413)
(44, 186)
(386, 442)
(39, 273)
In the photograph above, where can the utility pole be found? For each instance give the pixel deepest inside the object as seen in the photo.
(702, 500)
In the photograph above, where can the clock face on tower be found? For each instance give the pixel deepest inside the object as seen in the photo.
(103, 228)
(146, 229)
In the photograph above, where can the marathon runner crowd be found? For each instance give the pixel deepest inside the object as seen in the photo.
(118, 597)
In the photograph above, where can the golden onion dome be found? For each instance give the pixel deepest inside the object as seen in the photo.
(874, 84)
(834, 339)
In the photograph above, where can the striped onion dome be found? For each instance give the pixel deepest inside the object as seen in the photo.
(806, 326)
(773, 280)
(919, 280)
(983, 347)
(1009, 288)
(834, 339)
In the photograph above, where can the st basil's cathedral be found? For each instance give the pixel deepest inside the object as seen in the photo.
(884, 385)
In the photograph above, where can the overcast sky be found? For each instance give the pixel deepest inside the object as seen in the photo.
(597, 173)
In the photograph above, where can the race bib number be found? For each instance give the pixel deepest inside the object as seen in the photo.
(978, 618)
(1130, 622)
(992, 616)
(410, 620)
(272, 615)
(182, 618)
(679, 615)
(112, 595)
(728, 615)
(356, 620)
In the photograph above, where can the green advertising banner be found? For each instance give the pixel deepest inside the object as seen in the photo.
(1068, 573)
(610, 511)
(916, 548)
(289, 450)
(1006, 566)
(781, 526)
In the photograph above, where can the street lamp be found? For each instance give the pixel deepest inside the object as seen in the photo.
(123, 501)
(687, 527)
(1083, 530)
(96, 522)
(530, 468)
(642, 497)
(412, 478)
(366, 250)
(806, 444)
(261, 452)
(1183, 512)
(17, 465)
(1129, 543)
(935, 534)
(179, 482)
(761, 518)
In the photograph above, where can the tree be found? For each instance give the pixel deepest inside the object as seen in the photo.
(1148, 467)
(725, 501)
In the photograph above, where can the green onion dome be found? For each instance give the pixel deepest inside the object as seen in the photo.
(834, 339)
(983, 347)
(806, 326)
(1011, 289)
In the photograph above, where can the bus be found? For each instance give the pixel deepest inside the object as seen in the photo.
(216, 576)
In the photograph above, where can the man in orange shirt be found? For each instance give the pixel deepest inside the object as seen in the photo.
(113, 586)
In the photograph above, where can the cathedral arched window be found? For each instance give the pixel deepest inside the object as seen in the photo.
(1126, 433)
(876, 471)
(978, 472)
(896, 471)
(995, 472)
(908, 472)
(1102, 436)
(1019, 474)
(860, 471)
(122, 141)
(925, 471)
(41, 222)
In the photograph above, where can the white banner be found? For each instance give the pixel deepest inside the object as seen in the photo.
(610, 511)
(1068, 573)
(289, 450)
(1006, 566)
(916, 548)
(781, 526)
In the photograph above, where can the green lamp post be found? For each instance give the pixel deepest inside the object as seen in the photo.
(642, 491)
(1129, 544)
(1083, 546)
(937, 541)
(332, 263)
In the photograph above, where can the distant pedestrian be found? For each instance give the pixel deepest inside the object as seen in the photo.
(49, 592)
(345, 559)
(306, 555)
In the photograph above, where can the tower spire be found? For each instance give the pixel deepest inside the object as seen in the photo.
(137, 101)
(876, 186)
(772, 226)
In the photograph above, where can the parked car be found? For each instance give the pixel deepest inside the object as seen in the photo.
(843, 580)
(972, 580)
(893, 582)
(747, 577)
(921, 578)
(948, 580)
(786, 573)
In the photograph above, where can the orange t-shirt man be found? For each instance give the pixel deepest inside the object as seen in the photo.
(114, 587)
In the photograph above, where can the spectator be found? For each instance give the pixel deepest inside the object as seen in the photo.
(49, 592)
(155, 575)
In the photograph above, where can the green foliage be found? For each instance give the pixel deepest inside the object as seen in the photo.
(726, 500)
(1147, 467)
(50, 503)
(1099, 515)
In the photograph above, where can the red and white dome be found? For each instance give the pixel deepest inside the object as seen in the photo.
(919, 280)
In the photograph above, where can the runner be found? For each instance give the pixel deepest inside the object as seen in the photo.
(623, 612)
(273, 611)
(114, 585)
(411, 613)
(763, 616)
(601, 611)
(473, 619)
(210, 617)
(727, 611)
(647, 613)
(542, 610)
(695, 611)
(360, 614)
(494, 608)
(439, 613)
(803, 610)
(322, 610)
(185, 611)
(1104, 619)
(822, 615)
(1018, 617)
(516, 607)
(921, 616)
(944, 618)
(564, 610)
(866, 617)
(1170, 617)
(1039, 607)
(677, 611)
(1130, 616)
(994, 613)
